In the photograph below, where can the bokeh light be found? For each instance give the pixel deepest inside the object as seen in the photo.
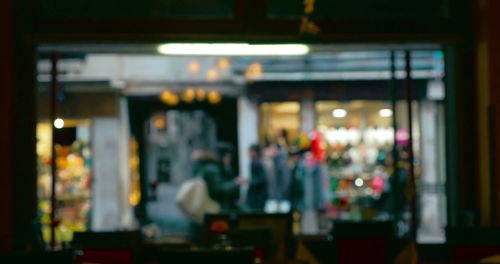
(212, 75)
(201, 94)
(194, 67)
(189, 95)
(214, 97)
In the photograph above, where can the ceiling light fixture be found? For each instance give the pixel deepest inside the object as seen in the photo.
(386, 112)
(339, 113)
(233, 49)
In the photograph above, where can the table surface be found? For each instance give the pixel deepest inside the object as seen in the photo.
(492, 259)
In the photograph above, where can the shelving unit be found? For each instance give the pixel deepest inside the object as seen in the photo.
(73, 187)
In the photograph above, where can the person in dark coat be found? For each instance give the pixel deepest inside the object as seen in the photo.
(230, 183)
(257, 191)
(222, 188)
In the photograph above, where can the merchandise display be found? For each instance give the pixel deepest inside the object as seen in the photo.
(343, 169)
(359, 174)
(358, 146)
(73, 186)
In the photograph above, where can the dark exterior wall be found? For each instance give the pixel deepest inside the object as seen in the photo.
(6, 84)
(17, 129)
(493, 22)
(22, 124)
(250, 20)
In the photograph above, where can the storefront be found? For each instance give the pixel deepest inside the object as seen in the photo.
(142, 127)
(329, 111)
(354, 132)
(90, 161)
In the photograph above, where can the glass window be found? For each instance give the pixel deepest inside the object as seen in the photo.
(278, 118)
(358, 137)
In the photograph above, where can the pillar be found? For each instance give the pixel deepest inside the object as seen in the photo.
(431, 222)
(110, 187)
(248, 117)
(307, 116)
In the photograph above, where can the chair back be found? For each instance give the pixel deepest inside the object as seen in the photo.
(108, 247)
(363, 242)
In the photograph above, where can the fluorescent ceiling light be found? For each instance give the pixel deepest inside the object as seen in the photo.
(386, 112)
(233, 49)
(339, 113)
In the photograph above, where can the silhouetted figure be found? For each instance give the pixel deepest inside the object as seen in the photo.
(257, 191)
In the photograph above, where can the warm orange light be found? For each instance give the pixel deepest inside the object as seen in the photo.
(169, 98)
(160, 122)
(135, 186)
(212, 75)
(189, 95)
(201, 94)
(165, 95)
(254, 71)
(223, 64)
(214, 97)
(194, 67)
(174, 100)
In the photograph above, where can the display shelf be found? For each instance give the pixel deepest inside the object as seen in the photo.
(73, 186)
(68, 197)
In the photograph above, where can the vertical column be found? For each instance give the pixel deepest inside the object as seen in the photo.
(307, 116)
(23, 125)
(430, 228)
(248, 121)
(107, 188)
(6, 85)
(493, 21)
(409, 103)
(483, 102)
(53, 165)
(453, 172)
(127, 219)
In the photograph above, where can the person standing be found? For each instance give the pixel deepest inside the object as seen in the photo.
(222, 186)
(228, 185)
(281, 178)
(257, 191)
(309, 173)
